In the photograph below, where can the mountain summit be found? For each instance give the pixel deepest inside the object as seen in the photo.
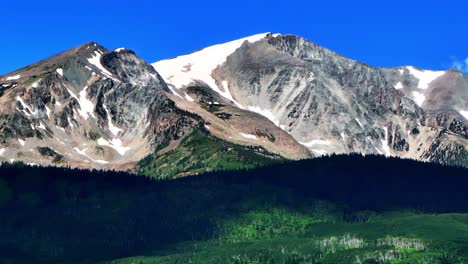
(332, 104)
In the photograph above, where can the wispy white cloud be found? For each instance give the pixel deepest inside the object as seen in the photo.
(461, 65)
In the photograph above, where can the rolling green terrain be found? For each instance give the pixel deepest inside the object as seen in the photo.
(281, 236)
(200, 152)
(328, 210)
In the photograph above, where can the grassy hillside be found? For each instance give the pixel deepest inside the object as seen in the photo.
(328, 210)
(277, 235)
(200, 152)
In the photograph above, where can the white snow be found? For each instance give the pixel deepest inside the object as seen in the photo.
(424, 77)
(184, 70)
(41, 126)
(189, 98)
(22, 142)
(464, 114)
(19, 99)
(316, 142)
(36, 84)
(96, 61)
(264, 112)
(207, 127)
(115, 144)
(343, 136)
(249, 136)
(2, 151)
(418, 98)
(83, 153)
(385, 146)
(47, 111)
(70, 122)
(318, 146)
(59, 71)
(359, 122)
(119, 49)
(89, 68)
(12, 160)
(399, 85)
(86, 106)
(12, 78)
(113, 129)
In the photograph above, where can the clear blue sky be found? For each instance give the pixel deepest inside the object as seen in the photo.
(429, 34)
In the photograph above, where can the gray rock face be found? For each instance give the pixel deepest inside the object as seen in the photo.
(92, 107)
(332, 104)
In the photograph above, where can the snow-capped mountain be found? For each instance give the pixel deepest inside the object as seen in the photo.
(329, 103)
(94, 108)
(269, 94)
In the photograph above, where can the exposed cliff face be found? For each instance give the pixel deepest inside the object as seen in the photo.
(328, 103)
(87, 107)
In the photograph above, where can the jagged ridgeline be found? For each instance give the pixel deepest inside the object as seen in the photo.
(247, 103)
(337, 209)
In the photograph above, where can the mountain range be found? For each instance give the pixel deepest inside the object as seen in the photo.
(252, 101)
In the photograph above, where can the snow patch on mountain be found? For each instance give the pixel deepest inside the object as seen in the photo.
(249, 136)
(386, 148)
(96, 61)
(86, 106)
(464, 114)
(264, 112)
(26, 106)
(35, 84)
(113, 129)
(418, 98)
(425, 77)
(184, 70)
(13, 78)
(83, 153)
(399, 85)
(41, 126)
(115, 144)
(318, 146)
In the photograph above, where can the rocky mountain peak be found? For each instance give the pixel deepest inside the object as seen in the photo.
(86, 107)
(327, 102)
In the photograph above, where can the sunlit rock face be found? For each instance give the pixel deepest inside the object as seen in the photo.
(87, 107)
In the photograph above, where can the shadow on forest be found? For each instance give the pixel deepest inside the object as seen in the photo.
(78, 216)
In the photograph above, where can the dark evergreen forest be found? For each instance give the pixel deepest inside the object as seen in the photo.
(61, 215)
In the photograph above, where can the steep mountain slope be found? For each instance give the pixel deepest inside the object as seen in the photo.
(328, 103)
(93, 108)
(87, 107)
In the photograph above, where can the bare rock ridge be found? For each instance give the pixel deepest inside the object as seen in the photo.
(332, 104)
